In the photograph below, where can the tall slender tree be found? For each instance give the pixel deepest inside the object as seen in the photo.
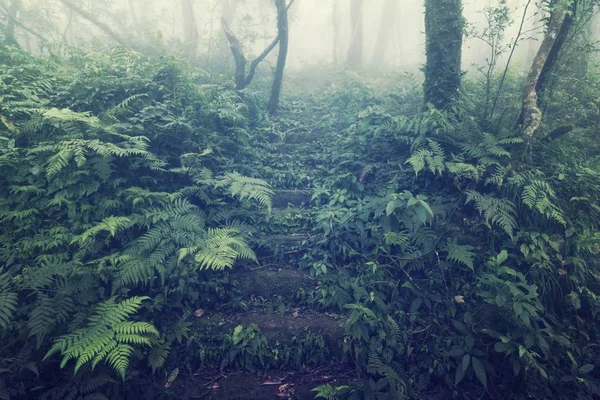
(190, 30)
(241, 77)
(283, 33)
(13, 15)
(228, 11)
(355, 51)
(444, 25)
(335, 21)
(389, 14)
(559, 24)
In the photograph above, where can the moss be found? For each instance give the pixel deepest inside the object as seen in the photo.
(444, 25)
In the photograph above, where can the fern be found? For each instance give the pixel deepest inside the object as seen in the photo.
(158, 354)
(538, 195)
(500, 212)
(251, 188)
(220, 249)
(41, 319)
(109, 337)
(396, 383)
(431, 157)
(462, 254)
(396, 238)
(9, 301)
(112, 225)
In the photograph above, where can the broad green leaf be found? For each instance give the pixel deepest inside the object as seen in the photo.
(479, 371)
(503, 256)
(585, 369)
(466, 361)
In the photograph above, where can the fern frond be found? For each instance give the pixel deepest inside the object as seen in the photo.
(158, 354)
(250, 188)
(500, 212)
(112, 225)
(538, 196)
(462, 254)
(220, 249)
(107, 338)
(431, 157)
(9, 301)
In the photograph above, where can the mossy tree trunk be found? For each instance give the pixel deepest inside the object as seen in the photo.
(355, 51)
(544, 62)
(444, 26)
(283, 34)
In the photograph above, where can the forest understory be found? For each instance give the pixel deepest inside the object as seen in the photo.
(176, 230)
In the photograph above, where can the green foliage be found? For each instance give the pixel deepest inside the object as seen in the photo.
(431, 156)
(251, 188)
(110, 196)
(538, 195)
(461, 254)
(120, 186)
(329, 392)
(496, 211)
(8, 301)
(109, 337)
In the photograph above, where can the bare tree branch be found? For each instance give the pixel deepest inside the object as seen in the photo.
(107, 29)
(22, 26)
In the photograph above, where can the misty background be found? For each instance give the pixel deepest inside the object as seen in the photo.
(320, 30)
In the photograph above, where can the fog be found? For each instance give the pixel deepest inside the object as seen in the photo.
(320, 30)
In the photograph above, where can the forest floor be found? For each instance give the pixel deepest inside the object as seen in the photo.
(294, 145)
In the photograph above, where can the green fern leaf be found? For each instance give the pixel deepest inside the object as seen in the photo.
(461, 254)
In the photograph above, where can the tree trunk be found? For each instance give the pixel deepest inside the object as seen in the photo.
(444, 25)
(553, 57)
(228, 11)
(336, 30)
(355, 51)
(386, 27)
(531, 112)
(104, 27)
(283, 34)
(241, 79)
(13, 19)
(190, 30)
(13, 12)
(238, 55)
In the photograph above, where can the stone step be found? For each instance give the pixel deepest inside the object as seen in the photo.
(290, 219)
(282, 328)
(296, 197)
(283, 283)
(275, 385)
(285, 331)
